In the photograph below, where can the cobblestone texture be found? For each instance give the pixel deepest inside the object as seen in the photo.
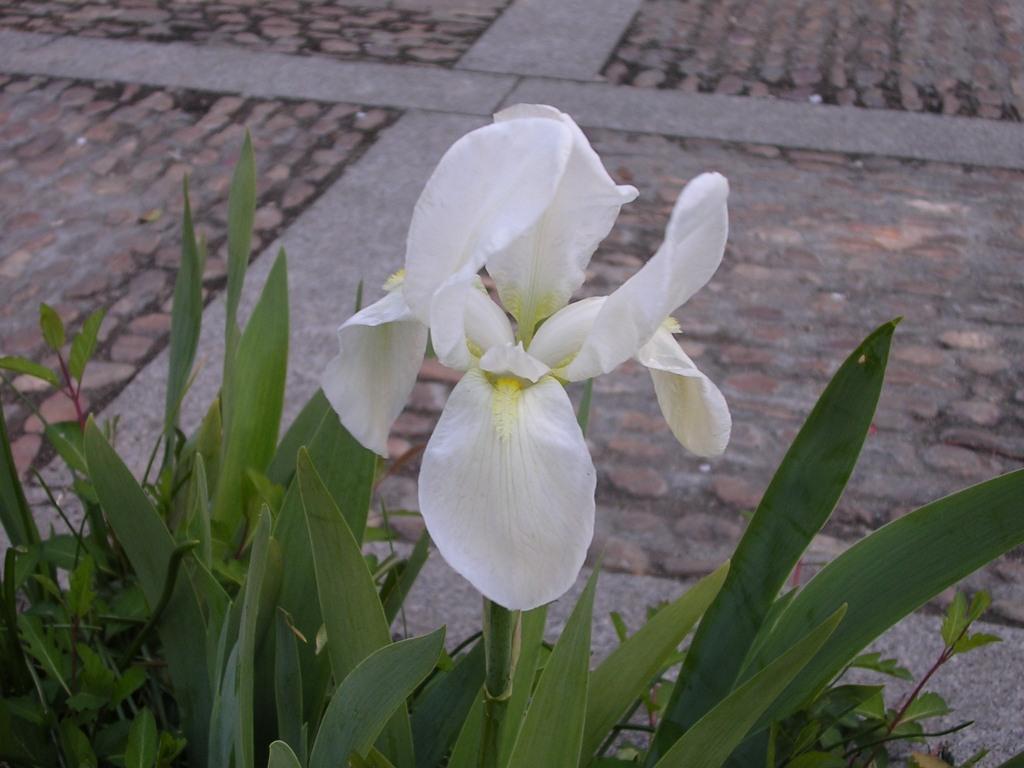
(956, 57)
(822, 249)
(423, 33)
(90, 209)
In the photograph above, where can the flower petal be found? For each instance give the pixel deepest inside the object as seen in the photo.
(692, 250)
(368, 383)
(465, 322)
(490, 187)
(560, 337)
(507, 489)
(513, 360)
(538, 272)
(693, 406)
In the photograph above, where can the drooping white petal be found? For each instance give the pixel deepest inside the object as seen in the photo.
(693, 406)
(368, 383)
(692, 250)
(465, 323)
(490, 187)
(513, 360)
(538, 272)
(507, 489)
(562, 334)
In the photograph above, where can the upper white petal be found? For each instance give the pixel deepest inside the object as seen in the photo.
(368, 383)
(490, 187)
(540, 270)
(465, 322)
(512, 359)
(562, 334)
(507, 490)
(692, 250)
(693, 406)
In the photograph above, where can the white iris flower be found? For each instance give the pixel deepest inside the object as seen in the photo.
(506, 486)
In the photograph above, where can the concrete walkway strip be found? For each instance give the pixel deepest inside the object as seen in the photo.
(354, 231)
(972, 141)
(552, 38)
(252, 73)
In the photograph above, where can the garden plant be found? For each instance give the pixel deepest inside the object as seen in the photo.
(220, 609)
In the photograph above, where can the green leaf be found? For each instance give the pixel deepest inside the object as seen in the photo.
(241, 212)
(253, 399)
(955, 620)
(710, 741)
(407, 577)
(979, 604)
(627, 673)
(149, 547)
(84, 344)
(15, 515)
(466, 752)
(798, 501)
(371, 695)
(42, 649)
(968, 643)
(301, 432)
(876, 663)
(583, 412)
(66, 438)
(81, 592)
(552, 733)
(198, 514)
(21, 365)
(352, 614)
(282, 756)
(530, 652)
(926, 705)
(287, 684)
(186, 315)
(52, 327)
(141, 749)
(76, 745)
(923, 552)
(440, 710)
(245, 748)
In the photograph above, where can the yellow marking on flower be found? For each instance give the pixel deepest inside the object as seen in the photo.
(395, 280)
(671, 325)
(474, 349)
(507, 391)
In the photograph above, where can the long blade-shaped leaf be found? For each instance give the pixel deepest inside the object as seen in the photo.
(15, 516)
(799, 500)
(531, 647)
(186, 316)
(299, 433)
(254, 397)
(241, 213)
(553, 730)
(442, 707)
(628, 671)
(712, 738)
(287, 685)
(282, 756)
(149, 546)
(245, 748)
(895, 570)
(370, 696)
(352, 613)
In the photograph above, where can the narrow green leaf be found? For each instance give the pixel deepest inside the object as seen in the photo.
(42, 649)
(186, 315)
(709, 742)
(245, 748)
(254, 398)
(923, 552)
(440, 710)
(530, 651)
(968, 643)
(22, 365)
(141, 749)
(583, 412)
(552, 733)
(15, 515)
(52, 327)
(198, 515)
(371, 695)
(80, 591)
(150, 546)
(66, 438)
(466, 752)
(352, 613)
(287, 685)
(241, 212)
(410, 570)
(627, 673)
(282, 756)
(299, 434)
(955, 620)
(84, 344)
(798, 501)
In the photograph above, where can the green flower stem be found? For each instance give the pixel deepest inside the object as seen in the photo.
(501, 648)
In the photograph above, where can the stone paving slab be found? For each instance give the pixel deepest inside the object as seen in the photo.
(982, 686)
(251, 73)
(422, 33)
(90, 209)
(954, 57)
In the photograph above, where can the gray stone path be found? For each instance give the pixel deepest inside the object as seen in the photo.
(826, 201)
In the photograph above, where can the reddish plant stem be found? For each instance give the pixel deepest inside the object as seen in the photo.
(73, 394)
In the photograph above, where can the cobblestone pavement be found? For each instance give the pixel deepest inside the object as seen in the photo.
(419, 32)
(823, 248)
(90, 209)
(956, 57)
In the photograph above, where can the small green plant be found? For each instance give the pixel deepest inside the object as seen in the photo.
(223, 613)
